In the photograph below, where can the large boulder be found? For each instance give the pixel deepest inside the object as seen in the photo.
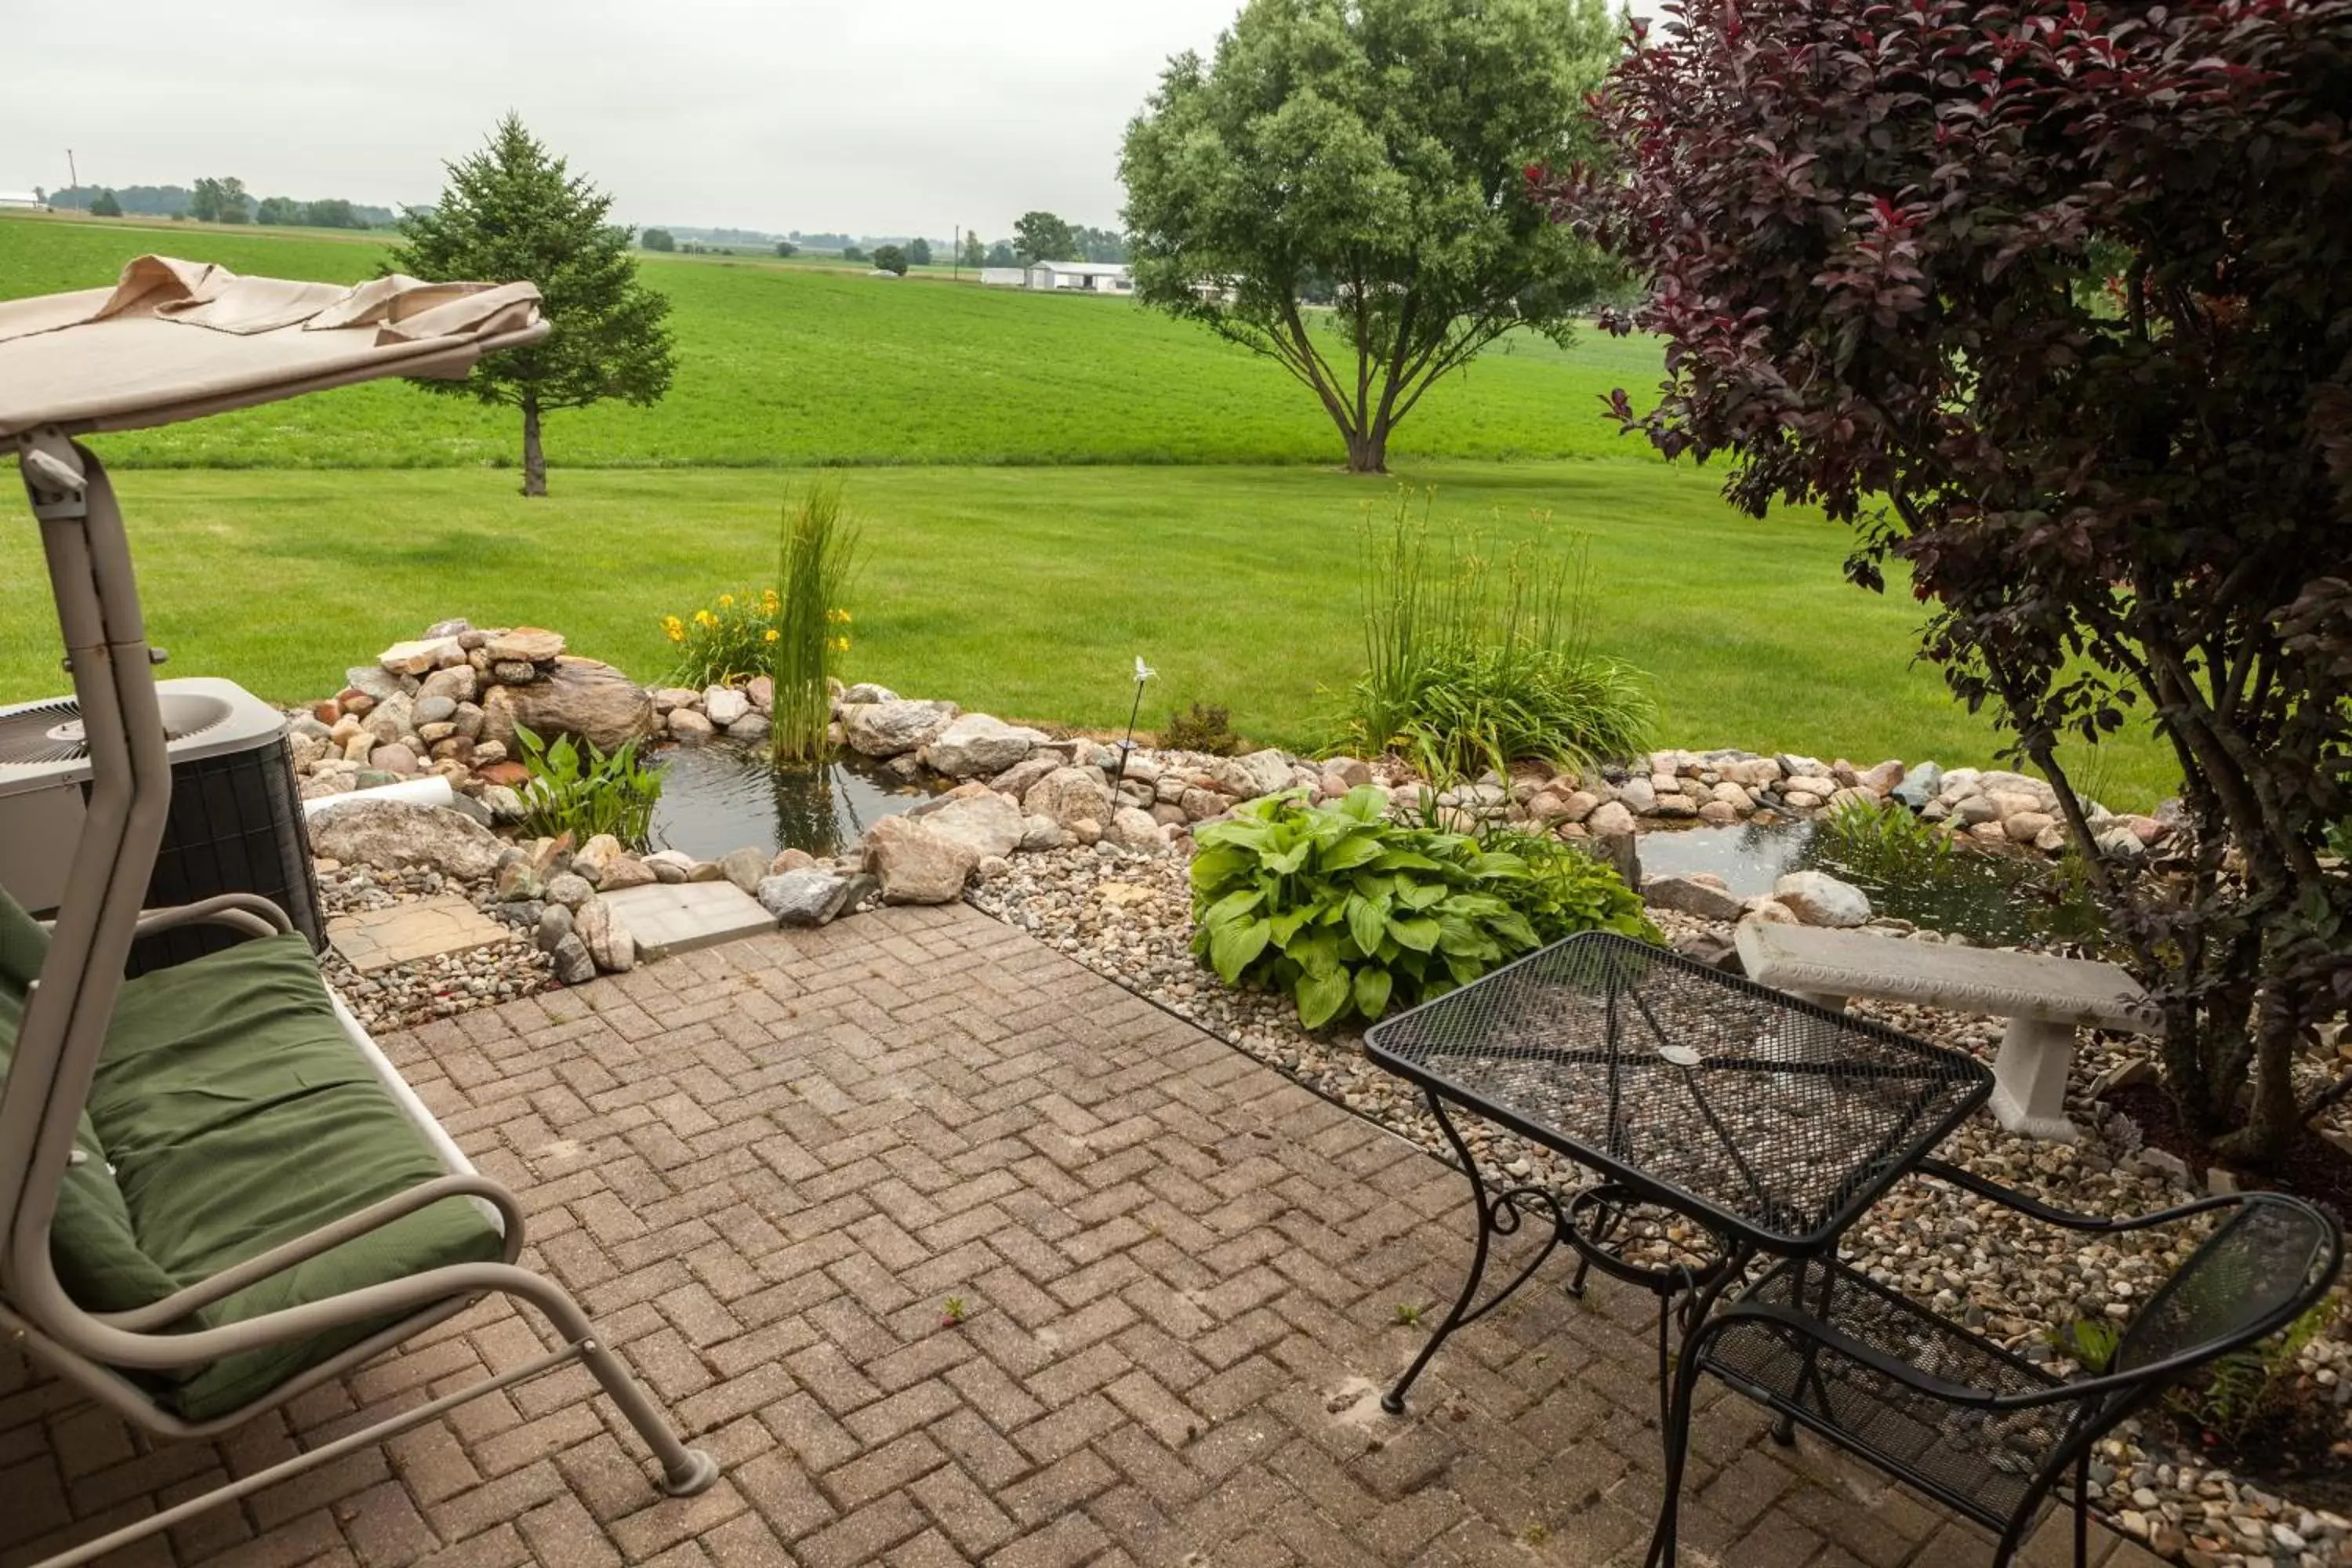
(900, 725)
(610, 941)
(1703, 896)
(389, 832)
(915, 863)
(1070, 795)
(976, 743)
(1132, 827)
(1260, 772)
(584, 698)
(1818, 899)
(985, 821)
(807, 897)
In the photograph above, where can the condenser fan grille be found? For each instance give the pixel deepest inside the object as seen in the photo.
(49, 732)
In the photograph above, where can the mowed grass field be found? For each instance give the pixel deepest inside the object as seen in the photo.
(785, 365)
(1049, 488)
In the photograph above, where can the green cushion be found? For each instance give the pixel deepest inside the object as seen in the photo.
(238, 1116)
(91, 1242)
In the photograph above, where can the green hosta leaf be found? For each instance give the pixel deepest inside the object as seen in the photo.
(1366, 802)
(1366, 922)
(1317, 953)
(1515, 929)
(1321, 997)
(1405, 860)
(1289, 861)
(1421, 895)
(1349, 853)
(1219, 863)
(1285, 924)
(1234, 948)
(1418, 932)
(1458, 938)
(1372, 988)
(1231, 907)
(1463, 970)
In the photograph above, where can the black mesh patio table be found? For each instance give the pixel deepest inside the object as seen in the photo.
(1769, 1122)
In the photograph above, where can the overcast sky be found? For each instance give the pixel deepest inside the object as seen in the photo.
(870, 116)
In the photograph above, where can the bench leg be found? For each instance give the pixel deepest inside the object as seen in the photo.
(2029, 1079)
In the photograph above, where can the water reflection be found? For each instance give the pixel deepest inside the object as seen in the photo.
(1989, 897)
(722, 794)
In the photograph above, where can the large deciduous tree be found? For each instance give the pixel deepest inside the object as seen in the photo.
(2052, 301)
(1373, 152)
(511, 212)
(1042, 236)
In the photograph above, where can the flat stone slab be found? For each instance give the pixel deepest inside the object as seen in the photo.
(403, 933)
(1997, 982)
(678, 917)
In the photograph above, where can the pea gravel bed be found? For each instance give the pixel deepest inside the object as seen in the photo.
(1128, 917)
(406, 994)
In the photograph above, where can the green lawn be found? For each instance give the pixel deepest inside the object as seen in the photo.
(1029, 591)
(786, 366)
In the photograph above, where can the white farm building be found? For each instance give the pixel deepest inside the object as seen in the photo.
(1077, 276)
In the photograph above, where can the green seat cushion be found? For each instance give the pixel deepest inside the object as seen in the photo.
(91, 1243)
(238, 1116)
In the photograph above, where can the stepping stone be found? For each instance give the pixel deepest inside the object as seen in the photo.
(679, 917)
(403, 933)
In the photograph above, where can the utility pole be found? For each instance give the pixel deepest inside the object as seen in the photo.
(70, 170)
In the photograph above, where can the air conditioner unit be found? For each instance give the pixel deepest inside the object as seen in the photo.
(236, 824)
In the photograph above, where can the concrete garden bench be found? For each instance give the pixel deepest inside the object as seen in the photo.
(2045, 999)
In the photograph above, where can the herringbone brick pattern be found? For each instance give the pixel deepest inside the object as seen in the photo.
(766, 1167)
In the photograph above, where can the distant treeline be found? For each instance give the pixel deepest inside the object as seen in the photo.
(221, 201)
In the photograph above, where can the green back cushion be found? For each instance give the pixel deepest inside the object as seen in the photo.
(91, 1243)
(238, 1116)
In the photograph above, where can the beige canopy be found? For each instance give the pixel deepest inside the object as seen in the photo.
(179, 340)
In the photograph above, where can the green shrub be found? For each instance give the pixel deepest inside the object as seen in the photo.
(1568, 890)
(580, 790)
(1468, 668)
(1351, 913)
(1209, 730)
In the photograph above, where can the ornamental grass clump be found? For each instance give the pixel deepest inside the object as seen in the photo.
(816, 551)
(1351, 914)
(1472, 666)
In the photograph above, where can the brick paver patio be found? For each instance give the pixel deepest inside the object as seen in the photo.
(766, 1166)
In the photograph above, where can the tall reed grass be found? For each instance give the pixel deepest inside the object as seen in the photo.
(817, 558)
(1473, 663)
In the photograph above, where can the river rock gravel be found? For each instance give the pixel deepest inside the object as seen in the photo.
(418, 992)
(1129, 917)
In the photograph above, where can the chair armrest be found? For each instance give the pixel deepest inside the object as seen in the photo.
(250, 913)
(177, 1306)
(2034, 1208)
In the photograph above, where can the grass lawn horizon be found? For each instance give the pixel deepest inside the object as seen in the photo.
(1028, 590)
(781, 365)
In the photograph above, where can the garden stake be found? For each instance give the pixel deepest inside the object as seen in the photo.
(1143, 672)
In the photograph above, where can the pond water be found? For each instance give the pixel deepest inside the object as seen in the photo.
(722, 794)
(1986, 895)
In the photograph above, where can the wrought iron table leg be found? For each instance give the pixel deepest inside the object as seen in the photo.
(1695, 1313)
(1498, 1214)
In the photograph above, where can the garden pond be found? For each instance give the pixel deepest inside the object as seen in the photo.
(1985, 894)
(723, 795)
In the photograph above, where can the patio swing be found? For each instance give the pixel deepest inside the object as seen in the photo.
(215, 1191)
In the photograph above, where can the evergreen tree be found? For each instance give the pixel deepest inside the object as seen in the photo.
(919, 252)
(974, 253)
(103, 205)
(511, 212)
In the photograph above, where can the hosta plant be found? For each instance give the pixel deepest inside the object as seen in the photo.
(1349, 913)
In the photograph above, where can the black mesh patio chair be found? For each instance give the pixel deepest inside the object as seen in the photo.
(1982, 1430)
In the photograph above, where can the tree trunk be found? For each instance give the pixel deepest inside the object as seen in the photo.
(1368, 450)
(534, 460)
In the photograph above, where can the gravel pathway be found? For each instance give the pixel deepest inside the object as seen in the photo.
(1129, 917)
